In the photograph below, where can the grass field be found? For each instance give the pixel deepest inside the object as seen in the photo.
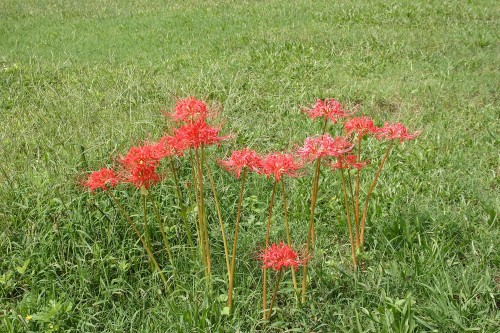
(80, 82)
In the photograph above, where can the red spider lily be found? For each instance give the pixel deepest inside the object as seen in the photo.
(140, 165)
(395, 131)
(189, 110)
(279, 164)
(280, 256)
(245, 158)
(142, 176)
(360, 125)
(101, 179)
(349, 162)
(328, 109)
(325, 145)
(194, 135)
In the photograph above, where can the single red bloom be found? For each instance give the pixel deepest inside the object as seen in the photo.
(328, 108)
(279, 256)
(278, 164)
(194, 135)
(140, 165)
(101, 179)
(141, 156)
(349, 162)
(325, 145)
(142, 176)
(395, 131)
(245, 158)
(360, 125)
(189, 110)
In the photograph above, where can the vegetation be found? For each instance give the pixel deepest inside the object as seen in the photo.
(81, 82)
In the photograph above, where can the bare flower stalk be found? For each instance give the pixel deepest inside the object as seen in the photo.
(235, 242)
(310, 242)
(289, 240)
(368, 195)
(144, 244)
(268, 231)
(275, 293)
(217, 207)
(348, 216)
(181, 204)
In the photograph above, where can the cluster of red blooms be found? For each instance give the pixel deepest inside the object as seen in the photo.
(139, 165)
(280, 256)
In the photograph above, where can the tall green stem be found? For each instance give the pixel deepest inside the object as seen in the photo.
(235, 242)
(356, 208)
(348, 216)
(268, 232)
(201, 214)
(217, 207)
(162, 230)
(145, 216)
(181, 204)
(289, 239)
(143, 242)
(275, 293)
(310, 241)
(372, 186)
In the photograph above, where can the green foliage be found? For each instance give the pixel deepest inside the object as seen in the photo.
(81, 82)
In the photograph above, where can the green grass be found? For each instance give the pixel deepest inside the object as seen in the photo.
(80, 82)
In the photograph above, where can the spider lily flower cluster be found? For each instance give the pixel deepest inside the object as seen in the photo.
(187, 145)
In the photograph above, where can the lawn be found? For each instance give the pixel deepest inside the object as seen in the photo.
(81, 82)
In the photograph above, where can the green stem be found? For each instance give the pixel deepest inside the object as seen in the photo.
(235, 242)
(162, 230)
(201, 214)
(143, 242)
(145, 217)
(289, 239)
(181, 204)
(310, 237)
(372, 186)
(268, 232)
(275, 293)
(348, 216)
(217, 207)
(356, 208)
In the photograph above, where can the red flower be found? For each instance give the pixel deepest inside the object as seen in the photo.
(325, 145)
(189, 110)
(360, 125)
(278, 164)
(395, 131)
(142, 176)
(101, 179)
(193, 135)
(140, 165)
(279, 256)
(329, 109)
(245, 158)
(349, 162)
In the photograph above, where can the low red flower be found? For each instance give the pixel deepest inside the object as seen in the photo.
(328, 108)
(194, 135)
(360, 125)
(189, 110)
(142, 176)
(101, 179)
(278, 164)
(245, 158)
(349, 162)
(139, 165)
(395, 131)
(325, 145)
(279, 256)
